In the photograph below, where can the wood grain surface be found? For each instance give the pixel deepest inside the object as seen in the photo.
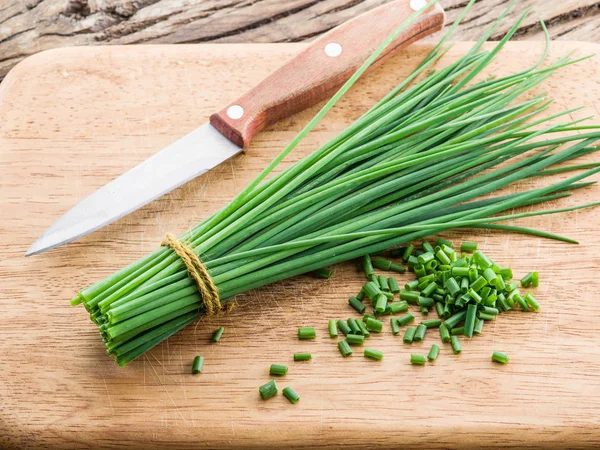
(29, 26)
(73, 119)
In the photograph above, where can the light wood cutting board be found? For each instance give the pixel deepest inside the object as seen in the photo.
(73, 119)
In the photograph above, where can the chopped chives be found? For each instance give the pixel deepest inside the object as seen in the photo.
(420, 270)
(481, 260)
(456, 348)
(478, 326)
(394, 326)
(398, 307)
(354, 328)
(479, 283)
(411, 286)
(420, 333)
(444, 333)
(427, 247)
(526, 280)
(344, 347)
(374, 325)
(522, 303)
(532, 302)
(468, 247)
(408, 252)
(506, 273)
(426, 257)
(356, 304)
(289, 393)
(441, 242)
(371, 290)
(535, 279)
(388, 295)
(278, 369)
(404, 320)
(485, 316)
(499, 357)
(432, 323)
(464, 285)
(454, 320)
(499, 284)
(268, 390)
(396, 252)
(367, 266)
(366, 316)
(417, 360)
(373, 354)
(425, 302)
(393, 283)
(430, 289)
(343, 327)
(355, 339)
(381, 303)
(302, 356)
(197, 364)
(409, 334)
(410, 296)
(383, 283)
(363, 328)
(433, 352)
(424, 310)
(442, 257)
(470, 320)
(473, 274)
(218, 334)
(323, 273)
(333, 332)
(474, 295)
(452, 286)
(439, 309)
(307, 333)
(490, 310)
(360, 295)
(458, 331)
(412, 261)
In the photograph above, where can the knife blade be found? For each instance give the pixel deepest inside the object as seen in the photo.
(308, 78)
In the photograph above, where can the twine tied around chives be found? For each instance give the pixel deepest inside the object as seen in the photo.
(195, 268)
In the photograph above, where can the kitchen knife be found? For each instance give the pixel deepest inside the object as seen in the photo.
(308, 78)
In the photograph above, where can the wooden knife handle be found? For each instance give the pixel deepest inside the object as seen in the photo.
(318, 71)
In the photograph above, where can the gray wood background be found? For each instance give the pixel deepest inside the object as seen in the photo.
(30, 26)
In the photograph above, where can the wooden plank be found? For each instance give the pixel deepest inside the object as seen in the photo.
(73, 119)
(30, 26)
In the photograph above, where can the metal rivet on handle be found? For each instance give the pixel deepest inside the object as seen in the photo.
(235, 112)
(333, 49)
(417, 4)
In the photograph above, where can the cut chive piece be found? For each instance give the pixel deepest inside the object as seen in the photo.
(381, 303)
(333, 332)
(485, 316)
(374, 325)
(531, 302)
(360, 295)
(535, 279)
(409, 296)
(432, 323)
(371, 290)
(373, 354)
(522, 303)
(383, 283)
(456, 348)
(268, 390)
(356, 304)
(289, 393)
(452, 286)
(427, 247)
(307, 333)
(526, 280)
(430, 289)
(454, 320)
(278, 369)
(474, 295)
(343, 327)
(441, 242)
(367, 266)
(412, 262)
(218, 334)
(458, 331)
(404, 320)
(197, 364)
(439, 309)
(394, 326)
(302, 356)
(355, 339)
(344, 347)
(386, 264)
(425, 302)
(433, 352)
(481, 260)
(444, 333)
(411, 286)
(409, 334)
(490, 310)
(363, 328)
(408, 252)
(480, 282)
(354, 328)
(393, 283)
(506, 273)
(420, 333)
(442, 257)
(468, 247)
(470, 320)
(323, 273)
(478, 326)
(500, 357)
(464, 285)
(398, 307)
(417, 360)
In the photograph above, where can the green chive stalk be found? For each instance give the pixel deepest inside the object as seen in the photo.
(417, 163)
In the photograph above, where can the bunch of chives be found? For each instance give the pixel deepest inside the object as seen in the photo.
(415, 164)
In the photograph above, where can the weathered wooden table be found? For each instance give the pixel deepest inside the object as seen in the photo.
(30, 26)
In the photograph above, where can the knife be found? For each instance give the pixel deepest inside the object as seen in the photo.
(307, 79)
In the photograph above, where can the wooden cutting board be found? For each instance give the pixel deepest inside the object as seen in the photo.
(73, 119)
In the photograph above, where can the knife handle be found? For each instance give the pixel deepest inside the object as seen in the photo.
(317, 72)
